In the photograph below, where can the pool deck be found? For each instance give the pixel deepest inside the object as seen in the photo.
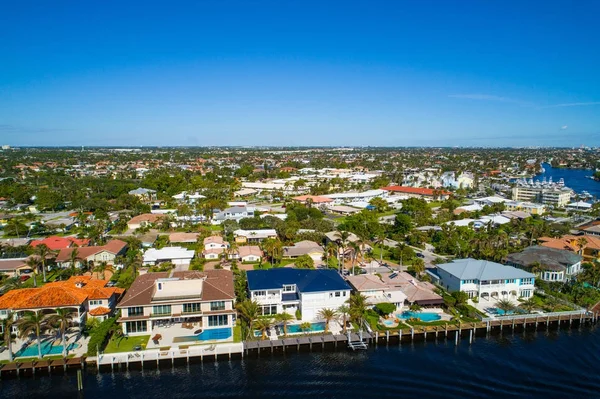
(175, 331)
(72, 338)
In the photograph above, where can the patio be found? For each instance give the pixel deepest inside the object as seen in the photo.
(488, 303)
(72, 338)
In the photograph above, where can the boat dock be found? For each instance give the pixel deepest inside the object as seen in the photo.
(47, 367)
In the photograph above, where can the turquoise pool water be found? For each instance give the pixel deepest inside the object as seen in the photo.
(207, 335)
(47, 349)
(314, 327)
(423, 316)
(389, 323)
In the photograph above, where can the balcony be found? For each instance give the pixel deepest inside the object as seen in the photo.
(154, 315)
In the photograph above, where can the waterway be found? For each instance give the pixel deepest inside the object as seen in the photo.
(542, 364)
(574, 178)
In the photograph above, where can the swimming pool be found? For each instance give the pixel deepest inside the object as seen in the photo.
(206, 335)
(314, 327)
(423, 316)
(389, 323)
(47, 349)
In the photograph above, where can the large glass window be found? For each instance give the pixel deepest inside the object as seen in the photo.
(217, 305)
(268, 310)
(136, 326)
(135, 311)
(191, 307)
(161, 310)
(218, 320)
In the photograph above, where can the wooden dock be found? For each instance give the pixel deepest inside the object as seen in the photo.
(42, 367)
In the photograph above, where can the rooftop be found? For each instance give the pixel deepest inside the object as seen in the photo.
(473, 269)
(306, 280)
(549, 258)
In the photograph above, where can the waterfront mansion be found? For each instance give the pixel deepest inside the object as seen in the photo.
(188, 303)
(305, 290)
(486, 280)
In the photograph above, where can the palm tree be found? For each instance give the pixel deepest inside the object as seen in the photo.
(42, 251)
(306, 327)
(284, 318)
(249, 312)
(263, 325)
(33, 323)
(330, 249)
(101, 269)
(418, 267)
(379, 240)
(7, 326)
(342, 241)
(528, 305)
(415, 307)
(343, 311)
(581, 243)
(60, 322)
(34, 264)
(73, 257)
(327, 315)
(358, 307)
(505, 305)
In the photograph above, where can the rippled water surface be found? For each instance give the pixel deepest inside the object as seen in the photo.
(534, 365)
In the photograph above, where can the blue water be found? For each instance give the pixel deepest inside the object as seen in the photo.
(207, 335)
(423, 316)
(574, 179)
(314, 327)
(47, 349)
(388, 323)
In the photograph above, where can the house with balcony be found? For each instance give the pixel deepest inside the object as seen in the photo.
(94, 254)
(214, 246)
(83, 296)
(253, 236)
(233, 213)
(486, 280)
(377, 291)
(187, 307)
(290, 290)
(550, 264)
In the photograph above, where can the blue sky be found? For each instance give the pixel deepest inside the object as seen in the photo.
(379, 73)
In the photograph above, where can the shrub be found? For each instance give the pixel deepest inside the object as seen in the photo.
(385, 308)
(99, 336)
(298, 314)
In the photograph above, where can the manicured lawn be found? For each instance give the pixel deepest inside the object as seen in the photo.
(216, 227)
(434, 204)
(237, 333)
(122, 344)
(376, 253)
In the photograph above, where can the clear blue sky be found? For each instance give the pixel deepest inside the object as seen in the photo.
(464, 73)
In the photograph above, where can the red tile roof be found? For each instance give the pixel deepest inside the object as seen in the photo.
(113, 246)
(55, 243)
(99, 311)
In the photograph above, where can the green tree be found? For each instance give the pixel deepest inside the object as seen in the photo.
(263, 325)
(505, 305)
(284, 318)
(305, 327)
(461, 297)
(43, 251)
(248, 312)
(385, 308)
(402, 224)
(304, 262)
(328, 315)
(358, 307)
(33, 323)
(7, 327)
(343, 312)
(60, 322)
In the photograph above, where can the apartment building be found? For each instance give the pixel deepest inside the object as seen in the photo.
(546, 194)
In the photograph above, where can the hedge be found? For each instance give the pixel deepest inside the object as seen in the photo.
(99, 336)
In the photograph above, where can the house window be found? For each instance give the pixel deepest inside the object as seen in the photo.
(136, 326)
(95, 302)
(337, 294)
(260, 293)
(135, 311)
(217, 305)
(191, 307)
(511, 281)
(218, 320)
(526, 281)
(344, 293)
(160, 310)
(268, 310)
(289, 288)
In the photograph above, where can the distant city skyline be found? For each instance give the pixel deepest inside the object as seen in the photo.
(272, 73)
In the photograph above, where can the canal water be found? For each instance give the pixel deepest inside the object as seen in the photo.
(577, 179)
(542, 364)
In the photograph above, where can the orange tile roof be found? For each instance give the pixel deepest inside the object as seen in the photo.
(569, 242)
(59, 294)
(55, 242)
(99, 311)
(113, 246)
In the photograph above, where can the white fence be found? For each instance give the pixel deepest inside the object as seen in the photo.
(169, 354)
(538, 316)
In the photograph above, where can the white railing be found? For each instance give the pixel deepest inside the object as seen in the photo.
(540, 316)
(169, 354)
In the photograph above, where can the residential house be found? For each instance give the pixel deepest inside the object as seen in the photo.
(189, 198)
(552, 264)
(94, 254)
(464, 180)
(144, 194)
(417, 292)
(214, 246)
(143, 220)
(183, 238)
(376, 291)
(55, 243)
(315, 200)
(253, 236)
(587, 245)
(248, 253)
(15, 267)
(418, 192)
(175, 255)
(310, 248)
(84, 296)
(202, 300)
(592, 228)
(530, 207)
(486, 280)
(306, 290)
(233, 213)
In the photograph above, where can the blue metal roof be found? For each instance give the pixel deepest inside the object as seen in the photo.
(306, 280)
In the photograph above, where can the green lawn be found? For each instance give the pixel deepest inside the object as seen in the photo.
(376, 253)
(237, 333)
(216, 227)
(122, 344)
(434, 204)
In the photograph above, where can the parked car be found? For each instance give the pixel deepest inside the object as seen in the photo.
(24, 277)
(420, 255)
